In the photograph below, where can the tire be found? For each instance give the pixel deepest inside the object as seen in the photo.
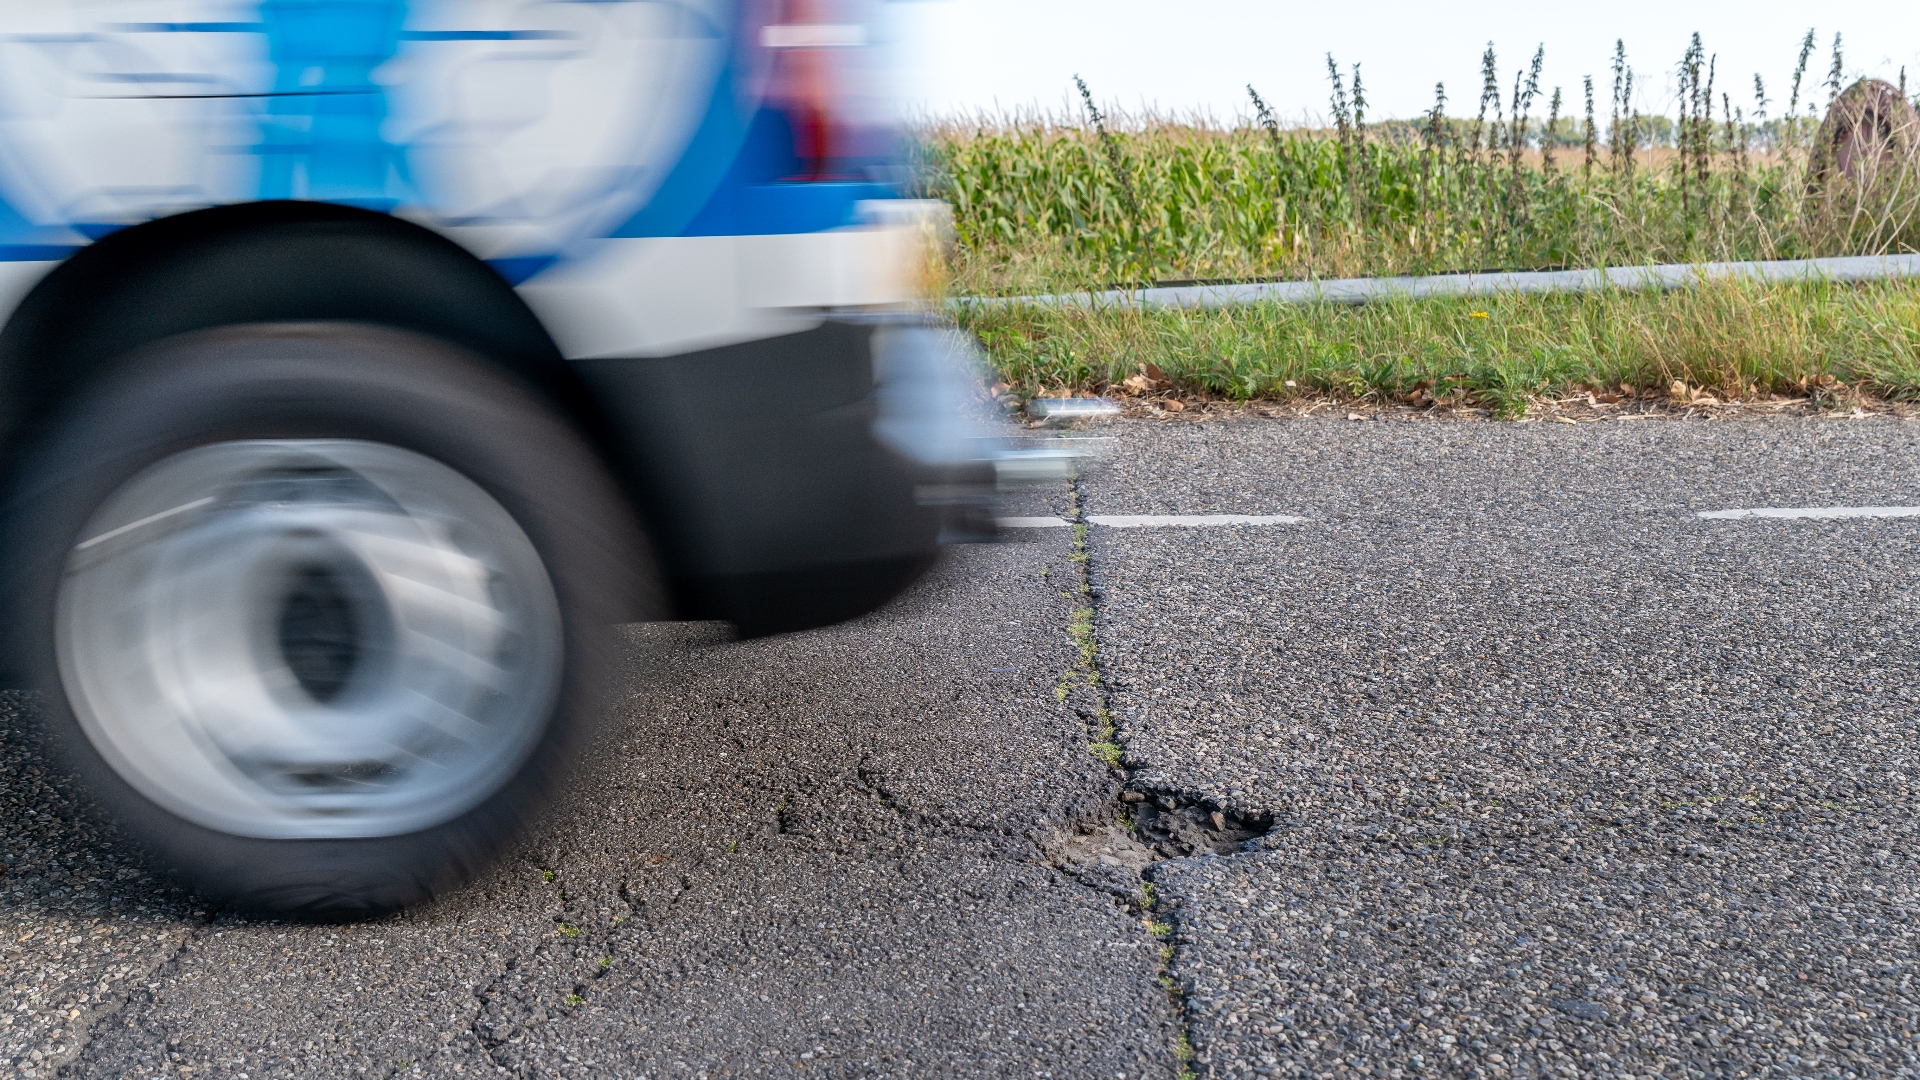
(319, 611)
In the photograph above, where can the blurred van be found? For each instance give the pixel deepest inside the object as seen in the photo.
(365, 361)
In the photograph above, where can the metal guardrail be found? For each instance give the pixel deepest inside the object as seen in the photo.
(1363, 290)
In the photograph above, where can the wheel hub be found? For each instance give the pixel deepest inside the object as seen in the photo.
(309, 639)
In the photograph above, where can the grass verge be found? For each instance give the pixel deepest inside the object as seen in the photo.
(1730, 339)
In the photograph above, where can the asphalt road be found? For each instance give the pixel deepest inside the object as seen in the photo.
(1520, 768)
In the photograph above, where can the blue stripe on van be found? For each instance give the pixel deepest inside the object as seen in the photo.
(35, 252)
(518, 268)
(753, 209)
(710, 153)
(729, 181)
(485, 35)
(321, 131)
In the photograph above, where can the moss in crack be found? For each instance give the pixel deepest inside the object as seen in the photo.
(1140, 809)
(1106, 742)
(1176, 998)
(1080, 628)
(1183, 1049)
(1102, 742)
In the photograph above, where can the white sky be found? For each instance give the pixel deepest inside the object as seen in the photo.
(966, 55)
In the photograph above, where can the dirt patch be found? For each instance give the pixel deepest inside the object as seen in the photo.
(1579, 409)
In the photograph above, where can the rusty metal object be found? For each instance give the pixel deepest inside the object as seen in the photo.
(1871, 132)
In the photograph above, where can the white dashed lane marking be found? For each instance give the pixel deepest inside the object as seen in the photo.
(1189, 521)
(1153, 521)
(1196, 521)
(1813, 512)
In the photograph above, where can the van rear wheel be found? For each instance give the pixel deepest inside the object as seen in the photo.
(319, 611)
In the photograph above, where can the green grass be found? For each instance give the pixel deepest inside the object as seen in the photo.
(1730, 339)
(1541, 177)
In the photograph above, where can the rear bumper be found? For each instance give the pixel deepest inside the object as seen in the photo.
(800, 480)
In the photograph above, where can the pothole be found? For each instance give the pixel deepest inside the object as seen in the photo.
(1107, 846)
(1175, 827)
(1151, 827)
(1148, 826)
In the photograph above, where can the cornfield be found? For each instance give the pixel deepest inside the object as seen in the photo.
(1055, 204)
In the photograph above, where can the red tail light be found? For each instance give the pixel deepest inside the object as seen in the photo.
(810, 80)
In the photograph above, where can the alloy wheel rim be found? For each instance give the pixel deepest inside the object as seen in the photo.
(308, 639)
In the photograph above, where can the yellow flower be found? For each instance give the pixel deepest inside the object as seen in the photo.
(1479, 315)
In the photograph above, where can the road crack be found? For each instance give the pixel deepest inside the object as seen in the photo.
(142, 986)
(1149, 824)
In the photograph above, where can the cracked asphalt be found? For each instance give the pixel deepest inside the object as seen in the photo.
(1554, 778)
(1563, 779)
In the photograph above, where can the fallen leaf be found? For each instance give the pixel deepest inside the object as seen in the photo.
(1000, 388)
(1607, 399)
(1706, 399)
(1171, 405)
(1135, 384)
(1355, 416)
(1678, 389)
(1219, 820)
(1291, 384)
(1154, 372)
